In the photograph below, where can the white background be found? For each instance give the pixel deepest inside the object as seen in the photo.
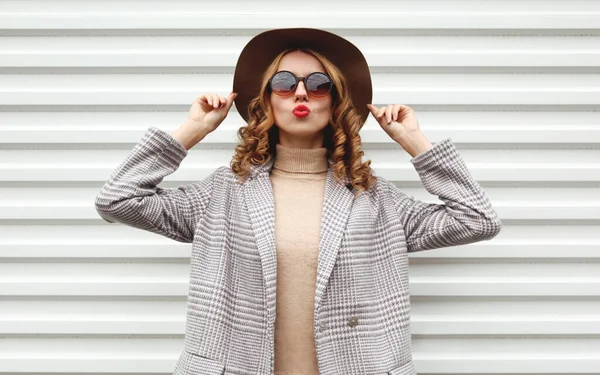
(515, 84)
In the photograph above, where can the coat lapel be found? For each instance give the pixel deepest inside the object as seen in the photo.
(337, 204)
(258, 194)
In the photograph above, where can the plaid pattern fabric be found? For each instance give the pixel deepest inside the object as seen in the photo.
(362, 305)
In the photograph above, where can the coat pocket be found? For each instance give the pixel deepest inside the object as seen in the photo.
(205, 366)
(405, 369)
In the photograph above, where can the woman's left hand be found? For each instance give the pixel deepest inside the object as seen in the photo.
(399, 121)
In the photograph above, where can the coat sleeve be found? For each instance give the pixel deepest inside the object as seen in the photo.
(131, 195)
(466, 215)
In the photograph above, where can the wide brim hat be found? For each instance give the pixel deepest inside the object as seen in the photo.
(261, 50)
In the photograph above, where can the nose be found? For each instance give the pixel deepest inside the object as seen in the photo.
(301, 93)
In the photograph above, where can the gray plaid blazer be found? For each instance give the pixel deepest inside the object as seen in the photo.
(362, 306)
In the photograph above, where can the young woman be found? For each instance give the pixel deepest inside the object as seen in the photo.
(300, 253)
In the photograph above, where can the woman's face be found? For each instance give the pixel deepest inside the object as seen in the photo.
(294, 131)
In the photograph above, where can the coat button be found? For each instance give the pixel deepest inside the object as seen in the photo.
(322, 326)
(352, 322)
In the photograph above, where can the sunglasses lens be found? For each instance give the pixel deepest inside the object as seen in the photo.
(318, 84)
(283, 83)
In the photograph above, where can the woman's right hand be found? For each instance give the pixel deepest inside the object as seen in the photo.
(209, 110)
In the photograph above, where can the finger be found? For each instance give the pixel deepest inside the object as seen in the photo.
(215, 101)
(374, 111)
(380, 113)
(230, 100)
(404, 110)
(388, 113)
(395, 111)
(202, 98)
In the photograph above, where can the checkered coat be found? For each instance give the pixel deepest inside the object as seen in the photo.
(361, 306)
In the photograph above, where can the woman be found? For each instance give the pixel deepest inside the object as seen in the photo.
(300, 254)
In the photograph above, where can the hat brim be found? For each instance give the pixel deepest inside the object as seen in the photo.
(261, 50)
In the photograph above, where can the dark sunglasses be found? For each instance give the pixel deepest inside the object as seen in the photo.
(284, 83)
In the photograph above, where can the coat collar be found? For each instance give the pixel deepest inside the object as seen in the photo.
(337, 204)
(265, 168)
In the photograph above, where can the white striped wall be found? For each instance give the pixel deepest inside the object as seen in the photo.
(515, 84)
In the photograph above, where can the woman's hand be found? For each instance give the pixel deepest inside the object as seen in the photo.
(209, 110)
(206, 114)
(400, 123)
(397, 120)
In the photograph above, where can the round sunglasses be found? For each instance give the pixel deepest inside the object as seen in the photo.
(284, 83)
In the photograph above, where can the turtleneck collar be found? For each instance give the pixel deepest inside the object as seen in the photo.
(300, 160)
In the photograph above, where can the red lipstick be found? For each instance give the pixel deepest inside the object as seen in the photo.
(301, 111)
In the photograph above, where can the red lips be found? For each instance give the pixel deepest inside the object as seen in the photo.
(301, 111)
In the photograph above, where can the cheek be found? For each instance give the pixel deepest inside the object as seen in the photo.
(325, 107)
(277, 105)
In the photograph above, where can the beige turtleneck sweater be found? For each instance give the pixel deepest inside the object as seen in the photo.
(298, 180)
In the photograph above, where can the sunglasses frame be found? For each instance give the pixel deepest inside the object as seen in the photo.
(303, 79)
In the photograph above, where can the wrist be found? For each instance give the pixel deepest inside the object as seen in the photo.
(414, 143)
(188, 135)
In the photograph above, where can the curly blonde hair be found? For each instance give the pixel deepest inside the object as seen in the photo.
(341, 135)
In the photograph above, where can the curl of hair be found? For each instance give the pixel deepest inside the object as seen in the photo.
(341, 136)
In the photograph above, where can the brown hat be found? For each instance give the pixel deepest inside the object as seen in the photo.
(261, 50)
